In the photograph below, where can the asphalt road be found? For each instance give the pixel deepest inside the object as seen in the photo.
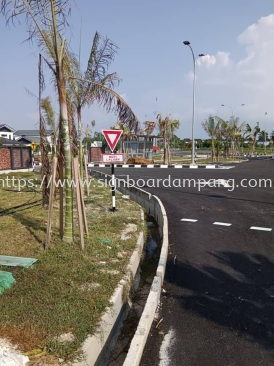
(217, 307)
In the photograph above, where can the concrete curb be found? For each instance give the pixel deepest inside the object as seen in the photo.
(139, 340)
(16, 171)
(154, 207)
(94, 345)
(179, 166)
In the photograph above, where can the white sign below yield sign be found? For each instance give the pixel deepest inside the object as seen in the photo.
(112, 137)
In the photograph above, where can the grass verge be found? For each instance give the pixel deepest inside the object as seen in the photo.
(66, 290)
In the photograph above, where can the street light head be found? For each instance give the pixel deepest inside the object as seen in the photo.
(243, 104)
(222, 105)
(201, 55)
(186, 43)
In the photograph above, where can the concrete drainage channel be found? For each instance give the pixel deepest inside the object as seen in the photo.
(145, 277)
(101, 345)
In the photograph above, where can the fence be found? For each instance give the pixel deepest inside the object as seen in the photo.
(13, 158)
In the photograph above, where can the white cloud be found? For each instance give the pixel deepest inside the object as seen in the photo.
(224, 80)
(206, 60)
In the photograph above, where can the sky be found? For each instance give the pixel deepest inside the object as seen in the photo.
(237, 38)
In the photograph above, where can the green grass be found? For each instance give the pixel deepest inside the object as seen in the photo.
(67, 290)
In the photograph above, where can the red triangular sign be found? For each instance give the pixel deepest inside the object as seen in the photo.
(112, 137)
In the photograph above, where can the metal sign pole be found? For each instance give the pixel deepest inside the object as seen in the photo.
(113, 187)
(112, 138)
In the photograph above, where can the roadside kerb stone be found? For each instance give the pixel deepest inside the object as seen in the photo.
(154, 207)
(93, 346)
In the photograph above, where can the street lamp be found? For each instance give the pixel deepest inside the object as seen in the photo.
(232, 109)
(187, 43)
(265, 132)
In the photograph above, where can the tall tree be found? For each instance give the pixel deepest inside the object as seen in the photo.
(46, 21)
(167, 127)
(50, 118)
(252, 134)
(211, 126)
(85, 93)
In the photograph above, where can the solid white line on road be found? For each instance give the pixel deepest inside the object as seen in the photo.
(261, 228)
(190, 220)
(165, 348)
(221, 223)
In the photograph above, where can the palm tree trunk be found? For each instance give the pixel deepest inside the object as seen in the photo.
(79, 117)
(68, 230)
(165, 149)
(213, 149)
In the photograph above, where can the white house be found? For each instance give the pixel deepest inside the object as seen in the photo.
(29, 136)
(6, 131)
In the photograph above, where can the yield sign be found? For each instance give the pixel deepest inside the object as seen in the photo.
(112, 137)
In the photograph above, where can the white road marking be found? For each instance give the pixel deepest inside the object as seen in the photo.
(190, 220)
(165, 347)
(260, 228)
(221, 223)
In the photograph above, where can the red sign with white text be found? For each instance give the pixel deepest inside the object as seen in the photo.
(112, 137)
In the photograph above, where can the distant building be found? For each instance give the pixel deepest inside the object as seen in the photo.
(28, 136)
(6, 131)
(8, 142)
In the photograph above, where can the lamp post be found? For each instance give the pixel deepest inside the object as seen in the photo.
(187, 43)
(232, 111)
(265, 132)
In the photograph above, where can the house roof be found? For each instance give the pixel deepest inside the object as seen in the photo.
(4, 125)
(31, 133)
(29, 139)
(8, 142)
(25, 139)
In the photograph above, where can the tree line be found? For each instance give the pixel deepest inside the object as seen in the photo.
(230, 137)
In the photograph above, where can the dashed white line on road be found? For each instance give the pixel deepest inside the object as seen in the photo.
(189, 220)
(221, 223)
(165, 348)
(261, 228)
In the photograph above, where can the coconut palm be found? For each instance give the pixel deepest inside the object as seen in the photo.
(49, 116)
(215, 127)
(149, 127)
(46, 20)
(85, 93)
(272, 139)
(252, 134)
(167, 127)
(235, 130)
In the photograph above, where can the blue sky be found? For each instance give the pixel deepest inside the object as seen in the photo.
(237, 38)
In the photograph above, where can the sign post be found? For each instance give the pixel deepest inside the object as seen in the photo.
(112, 137)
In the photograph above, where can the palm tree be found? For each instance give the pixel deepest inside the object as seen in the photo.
(149, 127)
(212, 126)
(235, 132)
(272, 138)
(49, 116)
(84, 93)
(46, 19)
(166, 128)
(87, 135)
(252, 134)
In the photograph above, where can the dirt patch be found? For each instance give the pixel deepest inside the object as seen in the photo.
(139, 161)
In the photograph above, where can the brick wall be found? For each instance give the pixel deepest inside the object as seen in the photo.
(5, 162)
(95, 154)
(15, 157)
(16, 153)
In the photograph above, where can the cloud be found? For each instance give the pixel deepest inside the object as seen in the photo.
(249, 80)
